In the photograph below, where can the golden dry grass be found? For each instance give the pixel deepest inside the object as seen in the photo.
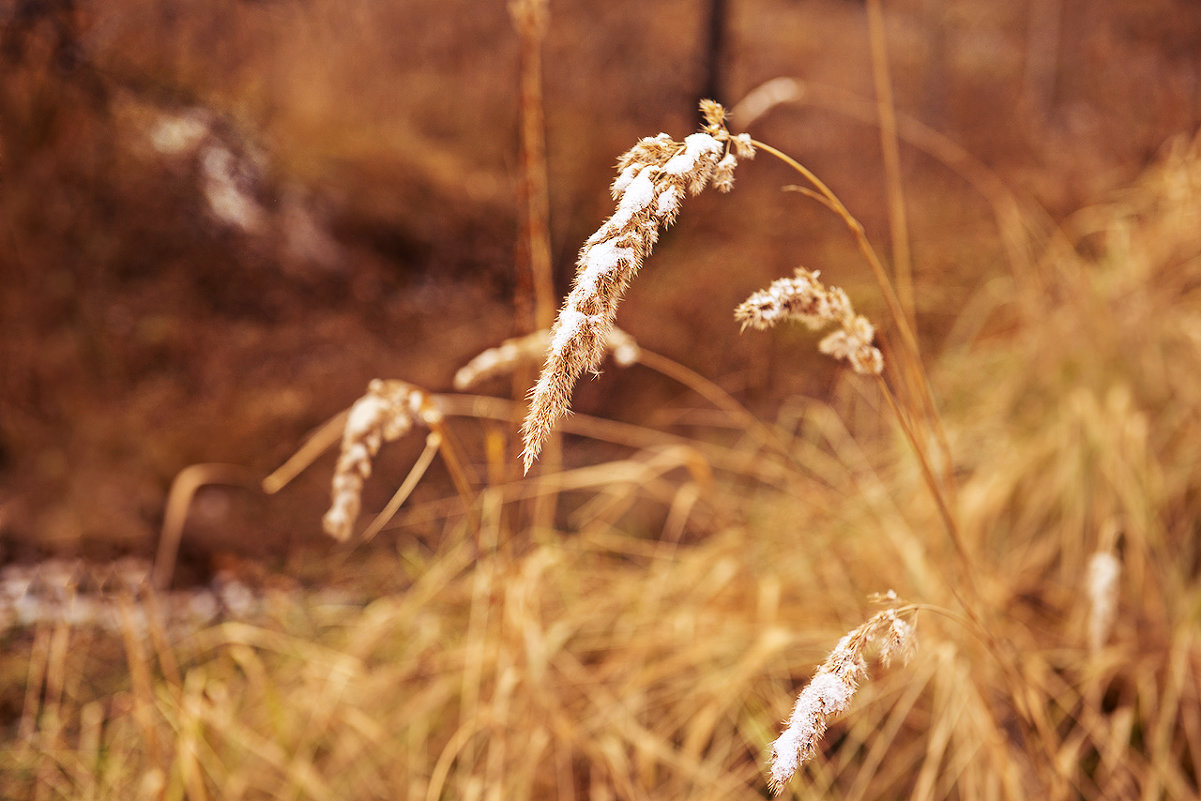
(605, 664)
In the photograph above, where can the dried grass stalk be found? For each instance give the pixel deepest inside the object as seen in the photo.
(765, 97)
(386, 413)
(830, 691)
(506, 356)
(806, 299)
(652, 180)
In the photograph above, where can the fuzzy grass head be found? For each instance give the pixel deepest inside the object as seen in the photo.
(653, 178)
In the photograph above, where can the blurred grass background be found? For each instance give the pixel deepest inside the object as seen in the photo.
(366, 158)
(142, 335)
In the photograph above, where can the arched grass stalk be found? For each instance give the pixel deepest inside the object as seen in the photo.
(387, 412)
(626, 352)
(913, 374)
(806, 299)
(432, 442)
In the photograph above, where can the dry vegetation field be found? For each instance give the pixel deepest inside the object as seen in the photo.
(265, 535)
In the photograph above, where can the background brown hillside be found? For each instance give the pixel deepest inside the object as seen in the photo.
(365, 156)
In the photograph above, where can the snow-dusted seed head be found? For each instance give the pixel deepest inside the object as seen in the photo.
(853, 342)
(831, 689)
(714, 115)
(502, 359)
(743, 146)
(1104, 571)
(804, 298)
(723, 173)
(511, 353)
(827, 695)
(386, 413)
(653, 177)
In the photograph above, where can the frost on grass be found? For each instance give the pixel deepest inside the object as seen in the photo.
(804, 298)
(652, 180)
(831, 689)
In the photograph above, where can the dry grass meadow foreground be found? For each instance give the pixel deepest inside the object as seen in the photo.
(967, 570)
(1027, 548)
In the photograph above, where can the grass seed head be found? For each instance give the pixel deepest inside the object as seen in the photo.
(386, 413)
(831, 689)
(508, 355)
(804, 298)
(652, 180)
(826, 696)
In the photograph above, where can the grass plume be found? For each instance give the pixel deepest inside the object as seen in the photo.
(385, 413)
(653, 179)
(829, 693)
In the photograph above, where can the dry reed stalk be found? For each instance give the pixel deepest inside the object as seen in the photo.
(898, 223)
(140, 679)
(39, 654)
(91, 724)
(534, 298)
(829, 692)
(190, 736)
(385, 414)
(155, 624)
(806, 299)
(432, 442)
(318, 442)
(530, 18)
(765, 97)
(653, 179)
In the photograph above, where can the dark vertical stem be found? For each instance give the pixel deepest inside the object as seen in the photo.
(714, 54)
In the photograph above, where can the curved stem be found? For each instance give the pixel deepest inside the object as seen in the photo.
(865, 247)
(432, 443)
(325, 437)
(179, 499)
(915, 376)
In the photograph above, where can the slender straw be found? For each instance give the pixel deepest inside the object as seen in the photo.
(898, 222)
